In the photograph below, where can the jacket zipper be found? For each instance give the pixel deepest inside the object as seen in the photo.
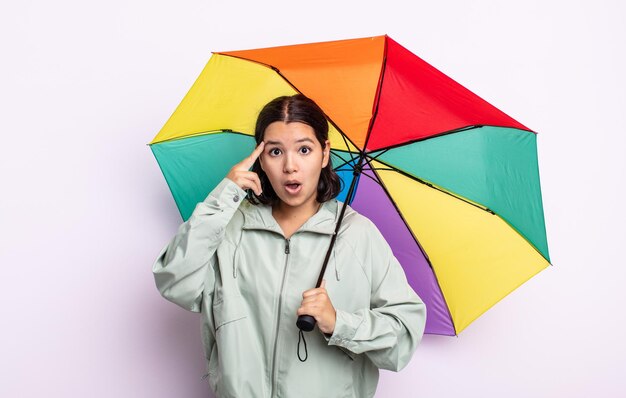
(280, 302)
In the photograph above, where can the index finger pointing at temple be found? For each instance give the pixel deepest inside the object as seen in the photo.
(249, 161)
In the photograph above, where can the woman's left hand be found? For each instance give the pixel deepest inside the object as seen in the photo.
(317, 304)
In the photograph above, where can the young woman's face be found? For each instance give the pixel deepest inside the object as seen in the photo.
(293, 160)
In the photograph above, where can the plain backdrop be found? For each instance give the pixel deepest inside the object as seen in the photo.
(84, 86)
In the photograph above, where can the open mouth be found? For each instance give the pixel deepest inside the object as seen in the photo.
(293, 188)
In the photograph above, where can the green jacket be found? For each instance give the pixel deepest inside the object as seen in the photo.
(231, 262)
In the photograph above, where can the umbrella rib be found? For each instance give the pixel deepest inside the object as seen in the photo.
(367, 175)
(339, 168)
(345, 162)
(458, 130)
(371, 178)
(431, 185)
(204, 133)
(531, 244)
(347, 146)
(379, 154)
(453, 131)
(379, 90)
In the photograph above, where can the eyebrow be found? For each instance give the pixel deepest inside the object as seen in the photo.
(297, 141)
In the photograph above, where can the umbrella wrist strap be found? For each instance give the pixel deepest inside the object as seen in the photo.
(306, 353)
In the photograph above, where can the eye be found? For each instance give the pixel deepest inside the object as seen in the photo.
(305, 150)
(274, 152)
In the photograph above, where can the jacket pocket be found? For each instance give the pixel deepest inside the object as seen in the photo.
(235, 367)
(228, 308)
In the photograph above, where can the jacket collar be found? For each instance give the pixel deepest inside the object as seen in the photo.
(323, 222)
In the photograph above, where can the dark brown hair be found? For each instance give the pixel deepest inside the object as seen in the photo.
(295, 108)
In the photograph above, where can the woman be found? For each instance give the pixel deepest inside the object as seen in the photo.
(248, 264)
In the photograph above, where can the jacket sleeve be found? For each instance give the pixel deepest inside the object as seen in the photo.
(389, 331)
(185, 264)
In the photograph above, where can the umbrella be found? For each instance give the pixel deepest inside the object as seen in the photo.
(451, 182)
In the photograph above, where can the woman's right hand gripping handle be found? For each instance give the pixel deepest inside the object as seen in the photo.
(241, 175)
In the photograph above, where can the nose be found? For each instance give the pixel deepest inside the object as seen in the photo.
(290, 165)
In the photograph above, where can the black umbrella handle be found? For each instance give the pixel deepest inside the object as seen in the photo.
(306, 323)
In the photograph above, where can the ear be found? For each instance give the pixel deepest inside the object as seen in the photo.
(260, 159)
(326, 156)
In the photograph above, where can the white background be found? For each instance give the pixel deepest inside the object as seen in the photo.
(85, 210)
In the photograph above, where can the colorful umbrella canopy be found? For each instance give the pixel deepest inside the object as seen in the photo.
(451, 182)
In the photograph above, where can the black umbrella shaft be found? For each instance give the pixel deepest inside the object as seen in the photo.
(357, 170)
(307, 322)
